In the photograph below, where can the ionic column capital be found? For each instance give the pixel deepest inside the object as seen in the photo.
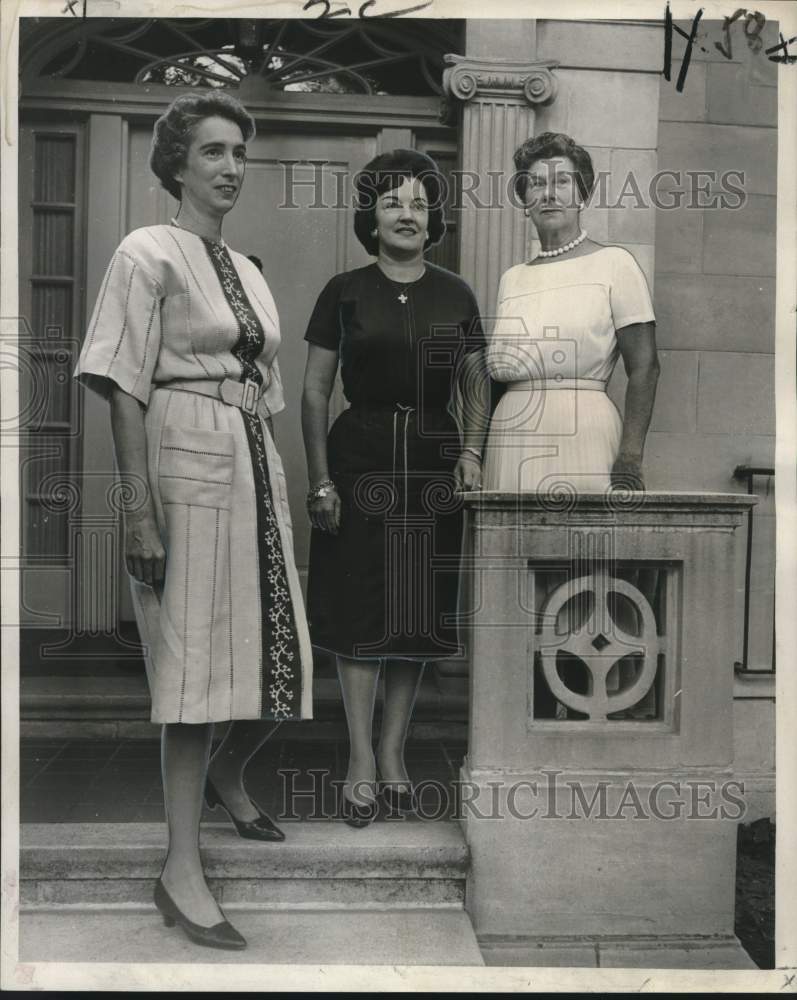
(468, 77)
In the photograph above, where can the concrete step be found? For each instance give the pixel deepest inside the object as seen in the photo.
(306, 937)
(320, 864)
(98, 697)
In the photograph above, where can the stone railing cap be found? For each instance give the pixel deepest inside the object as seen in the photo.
(620, 501)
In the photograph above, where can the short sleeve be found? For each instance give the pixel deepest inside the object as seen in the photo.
(629, 293)
(324, 326)
(123, 339)
(273, 398)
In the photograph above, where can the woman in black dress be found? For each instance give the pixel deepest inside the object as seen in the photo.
(385, 483)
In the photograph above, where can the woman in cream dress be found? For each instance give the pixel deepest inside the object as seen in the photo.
(183, 341)
(563, 320)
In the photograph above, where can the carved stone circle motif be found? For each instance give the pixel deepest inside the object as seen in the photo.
(466, 77)
(597, 646)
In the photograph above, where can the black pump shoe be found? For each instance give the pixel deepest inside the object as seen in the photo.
(262, 828)
(356, 815)
(221, 935)
(396, 801)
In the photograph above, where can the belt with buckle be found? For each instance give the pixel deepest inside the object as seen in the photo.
(557, 382)
(245, 395)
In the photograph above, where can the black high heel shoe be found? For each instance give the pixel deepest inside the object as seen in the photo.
(220, 935)
(262, 828)
(402, 802)
(356, 815)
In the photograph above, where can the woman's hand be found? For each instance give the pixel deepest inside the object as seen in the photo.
(627, 472)
(144, 553)
(468, 472)
(325, 512)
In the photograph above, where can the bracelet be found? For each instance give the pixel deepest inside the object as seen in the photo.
(474, 451)
(320, 491)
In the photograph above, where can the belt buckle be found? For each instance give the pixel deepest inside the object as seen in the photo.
(250, 396)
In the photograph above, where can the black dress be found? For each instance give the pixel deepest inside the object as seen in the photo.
(386, 585)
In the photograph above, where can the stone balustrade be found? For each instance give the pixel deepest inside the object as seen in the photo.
(598, 794)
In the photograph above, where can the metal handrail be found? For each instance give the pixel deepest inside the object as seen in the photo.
(748, 473)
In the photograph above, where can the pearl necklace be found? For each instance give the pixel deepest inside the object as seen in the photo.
(568, 246)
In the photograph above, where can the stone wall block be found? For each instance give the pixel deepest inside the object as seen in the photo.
(754, 734)
(632, 216)
(679, 241)
(600, 46)
(715, 313)
(703, 462)
(736, 394)
(743, 241)
(690, 104)
(702, 146)
(733, 97)
(606, 108)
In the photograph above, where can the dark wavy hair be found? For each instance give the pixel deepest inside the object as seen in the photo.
(174, 130)
(386, 172)
(546, 146)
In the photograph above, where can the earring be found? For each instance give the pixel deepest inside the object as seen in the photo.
(374, 232)
(527, 212)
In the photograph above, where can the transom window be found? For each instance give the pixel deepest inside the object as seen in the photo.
(336, 56)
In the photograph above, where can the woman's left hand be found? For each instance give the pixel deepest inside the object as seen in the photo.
(627, 472)
(468, 472)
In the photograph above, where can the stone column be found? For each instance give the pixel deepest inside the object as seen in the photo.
(598, 798)
(498, 99)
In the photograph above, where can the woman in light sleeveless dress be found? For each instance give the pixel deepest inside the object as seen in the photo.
(563, 319)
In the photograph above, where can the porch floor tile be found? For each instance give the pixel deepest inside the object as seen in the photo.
(120, 782)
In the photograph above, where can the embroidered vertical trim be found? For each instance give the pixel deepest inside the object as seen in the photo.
(282, 682)
(281, 662)
(251, 339)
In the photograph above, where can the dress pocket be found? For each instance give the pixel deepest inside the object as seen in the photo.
(195, 480)
(196, 467)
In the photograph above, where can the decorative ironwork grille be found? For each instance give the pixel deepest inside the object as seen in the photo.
(362, 56)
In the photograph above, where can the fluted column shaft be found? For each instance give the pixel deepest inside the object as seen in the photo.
(498, 100)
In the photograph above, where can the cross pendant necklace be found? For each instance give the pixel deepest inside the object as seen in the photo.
(402, 299)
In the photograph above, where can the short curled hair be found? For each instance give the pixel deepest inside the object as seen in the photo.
(386, 172)
(546, 146)
(174, 130)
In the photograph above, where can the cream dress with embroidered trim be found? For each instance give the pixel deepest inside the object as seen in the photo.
(226, 637)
